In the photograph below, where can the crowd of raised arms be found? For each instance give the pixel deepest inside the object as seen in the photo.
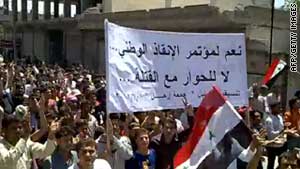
(55, 118)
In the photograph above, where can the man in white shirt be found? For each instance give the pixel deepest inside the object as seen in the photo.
(121, 149)
(262, 98)
(275, 127)
(256, 100)
(16, 148)
(85, 113)
(87, 152)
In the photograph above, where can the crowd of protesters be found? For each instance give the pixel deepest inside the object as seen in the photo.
(55, 118)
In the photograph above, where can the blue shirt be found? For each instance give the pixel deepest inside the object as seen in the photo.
(139, 161)
(274, 125)
(57, 161)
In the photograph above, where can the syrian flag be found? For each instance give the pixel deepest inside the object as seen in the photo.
(218, 138)
(274, 71)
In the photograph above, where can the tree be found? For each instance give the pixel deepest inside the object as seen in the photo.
(288, 2)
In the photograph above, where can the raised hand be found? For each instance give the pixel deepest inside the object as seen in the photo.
(42, 103)
(54, 128)
(292, 132)
(109, 129)
(25, 132)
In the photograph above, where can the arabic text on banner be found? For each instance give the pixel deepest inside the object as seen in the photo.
(152, 70)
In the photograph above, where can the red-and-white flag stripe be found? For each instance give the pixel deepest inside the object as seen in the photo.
(214, 118)
(276, 67)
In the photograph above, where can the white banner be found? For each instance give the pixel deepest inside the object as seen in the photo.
(153, 70)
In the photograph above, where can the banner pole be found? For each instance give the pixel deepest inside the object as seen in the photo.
(107, 84)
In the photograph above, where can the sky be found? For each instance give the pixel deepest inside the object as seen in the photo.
(41, 7)
(278, 4)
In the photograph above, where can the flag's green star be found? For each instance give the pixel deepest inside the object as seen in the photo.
(211, 135)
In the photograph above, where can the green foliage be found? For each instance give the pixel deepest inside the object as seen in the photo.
(288, 2)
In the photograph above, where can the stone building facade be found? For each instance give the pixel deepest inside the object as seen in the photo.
(81, 39)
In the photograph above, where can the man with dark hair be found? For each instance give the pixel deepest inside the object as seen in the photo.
(82, 130)
(275, 129)
(254, 102)
(258, 128)
(87, 153)
(170, 141)
(143, 157)
(16, 148)
(263, 100)
(63, 157)
(256, 120)
(289, 160)
(86, 113)
(121, 149)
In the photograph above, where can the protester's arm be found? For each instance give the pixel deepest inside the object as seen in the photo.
(257, 146)
(12, 155)
(43, 121)
(77, 116)
(9, 77)
(155, 132)
(123, 143)
(152, 124)
(270, 130)
(129, 118)
(291, 132)
(247, 154)
(253, 163)
(190, 115)
(41, 151)
(42, 110)
(123, 147)
(37, 135)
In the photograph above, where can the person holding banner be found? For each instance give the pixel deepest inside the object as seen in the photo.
(121, 149)
(170, 141)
